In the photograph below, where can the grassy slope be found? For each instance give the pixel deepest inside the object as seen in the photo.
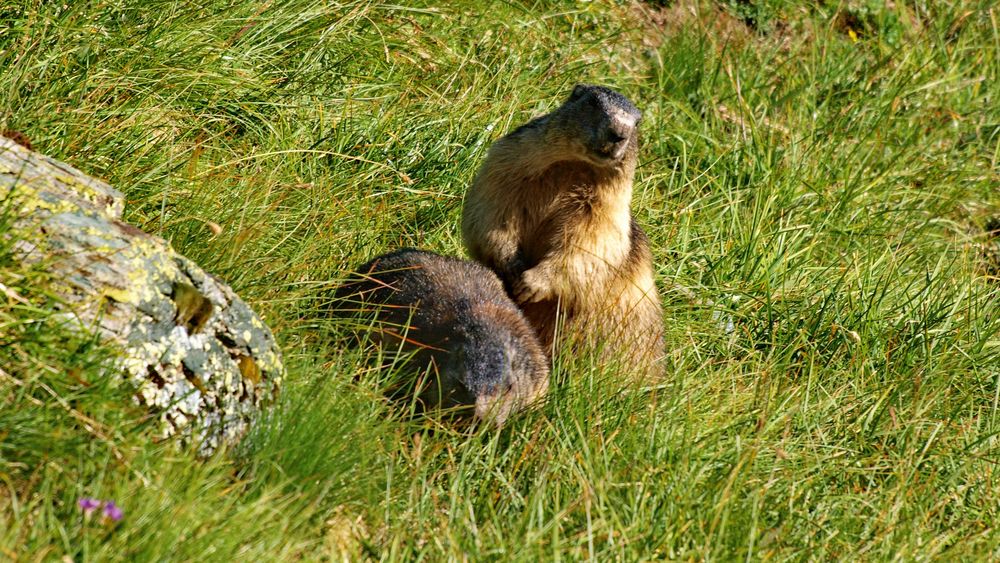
(823, 190)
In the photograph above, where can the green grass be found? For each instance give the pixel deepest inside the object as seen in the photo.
(818, 178)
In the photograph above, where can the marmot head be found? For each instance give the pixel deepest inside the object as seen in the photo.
(602, 122)
(494, 370)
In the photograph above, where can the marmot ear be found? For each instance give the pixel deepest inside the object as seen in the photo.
(578, 91)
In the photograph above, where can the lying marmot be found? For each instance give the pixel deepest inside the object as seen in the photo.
(549, 212)
(453, 315)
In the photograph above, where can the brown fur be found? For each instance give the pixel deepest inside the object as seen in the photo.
(549, 212)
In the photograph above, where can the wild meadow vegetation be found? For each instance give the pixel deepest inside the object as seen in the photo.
(816, 179)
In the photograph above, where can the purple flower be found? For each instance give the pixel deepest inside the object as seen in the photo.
(112, 511)
(88, 505)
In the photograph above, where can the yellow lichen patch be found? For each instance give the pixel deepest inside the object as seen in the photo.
(193, 308)
(121, 295)
(30, 201)
(198, 384)
(249, 369)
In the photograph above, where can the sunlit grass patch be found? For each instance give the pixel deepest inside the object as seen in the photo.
(816, 187)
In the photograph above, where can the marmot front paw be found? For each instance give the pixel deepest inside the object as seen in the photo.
(534, 286)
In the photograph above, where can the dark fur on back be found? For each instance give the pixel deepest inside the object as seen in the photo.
(453, 315)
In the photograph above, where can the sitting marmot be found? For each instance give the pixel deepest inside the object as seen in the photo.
(549, 212)
(453, 316)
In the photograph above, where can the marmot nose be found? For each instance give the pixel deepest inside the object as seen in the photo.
(614, 137)
(615, 141)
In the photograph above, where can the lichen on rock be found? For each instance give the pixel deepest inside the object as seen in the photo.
(195, 353)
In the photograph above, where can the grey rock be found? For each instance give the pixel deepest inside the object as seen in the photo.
(195, 353)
